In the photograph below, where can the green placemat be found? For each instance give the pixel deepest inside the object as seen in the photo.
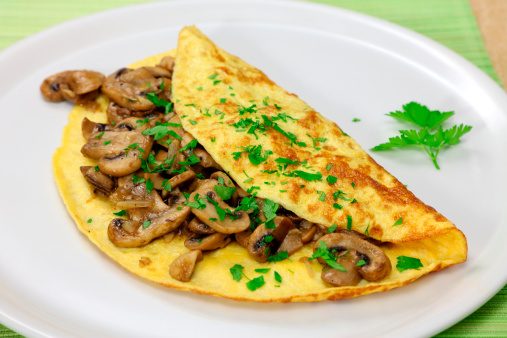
(449, 22)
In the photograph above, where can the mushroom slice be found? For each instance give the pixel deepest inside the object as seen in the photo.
(243, 237)
(206, 160)
(128, 88)
(208, 206)
(149, 227)
(88, 127)
(209, 242)
(199, 227)
(130, 124)
(74, 85)
(116, 113)
(292, 242)
(377, 265)
(183, 267)
(308, 230)
(118, 152)
(336, 277)
(102, 182)
(264, 240)
(167, 62)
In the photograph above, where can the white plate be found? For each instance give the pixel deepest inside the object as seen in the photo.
(54, 282)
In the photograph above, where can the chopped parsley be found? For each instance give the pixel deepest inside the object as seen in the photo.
(398, 222)
(324, 253)
(407, 263)
(237, 272)
(255, 283)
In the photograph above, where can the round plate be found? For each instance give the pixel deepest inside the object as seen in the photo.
(54, 282)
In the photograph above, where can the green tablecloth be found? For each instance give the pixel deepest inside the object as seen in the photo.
(450, 22)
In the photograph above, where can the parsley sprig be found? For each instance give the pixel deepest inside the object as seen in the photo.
(427, 120)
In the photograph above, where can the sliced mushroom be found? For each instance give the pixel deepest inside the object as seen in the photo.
(149, 223)
(208, 242)
(377, 265)
(199, 227)
(104, 183)
(207, 196)
(183, 267)
(308, 230)
(118, 152)
(74, 85)
(128, 88)
(88, 128)
(167, 62)
(243, 237)
(292, 242)
(116, 113)
(264, 241)
(206, 160)
(343, 278)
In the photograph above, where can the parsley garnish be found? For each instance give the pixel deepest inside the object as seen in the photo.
(398, 222)
(278, 257)
(278, 278)
(407, 263)
(255, 283)
(146, 224)
(332, 228)
(224, 192)
(308, 176)
(331, 179)
(349, 222)
(262, 270)
(269, 210)
(161, 130)
(168, 106)
(237, 272)
(427, 120)
(324, 253)
(120, 213)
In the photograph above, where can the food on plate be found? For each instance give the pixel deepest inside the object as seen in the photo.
(195, 171)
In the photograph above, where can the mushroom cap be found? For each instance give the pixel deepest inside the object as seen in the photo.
(377, 265)
(73, 85)
(259, 248)
(209, 214)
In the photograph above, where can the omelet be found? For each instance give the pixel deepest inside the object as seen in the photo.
(275, 146)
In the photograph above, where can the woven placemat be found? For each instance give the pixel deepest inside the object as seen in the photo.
(449, 22)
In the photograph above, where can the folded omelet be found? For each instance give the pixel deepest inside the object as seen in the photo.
(273, 144)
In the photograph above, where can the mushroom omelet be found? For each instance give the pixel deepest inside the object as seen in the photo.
(194, 170)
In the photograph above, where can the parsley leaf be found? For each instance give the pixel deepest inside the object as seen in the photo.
(168, 106)
(269, 210)
(431, 143)
(255, 283)
(324, 253)
(406, 263)
(278, 278)
(161, 130)
(224, 192)
(398, 222)
(237, 272)
(278, 257)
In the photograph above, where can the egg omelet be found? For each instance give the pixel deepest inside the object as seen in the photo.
(270, 142)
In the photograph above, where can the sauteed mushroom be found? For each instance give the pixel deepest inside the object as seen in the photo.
(183, 267)
(199, 227)
(129, 87)
(118, 152)
(207, 242)
(88, 127)
(376, 264)
(104, 183)
(209, 215)
(264, 240)
(74, 85)
(149, 223)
